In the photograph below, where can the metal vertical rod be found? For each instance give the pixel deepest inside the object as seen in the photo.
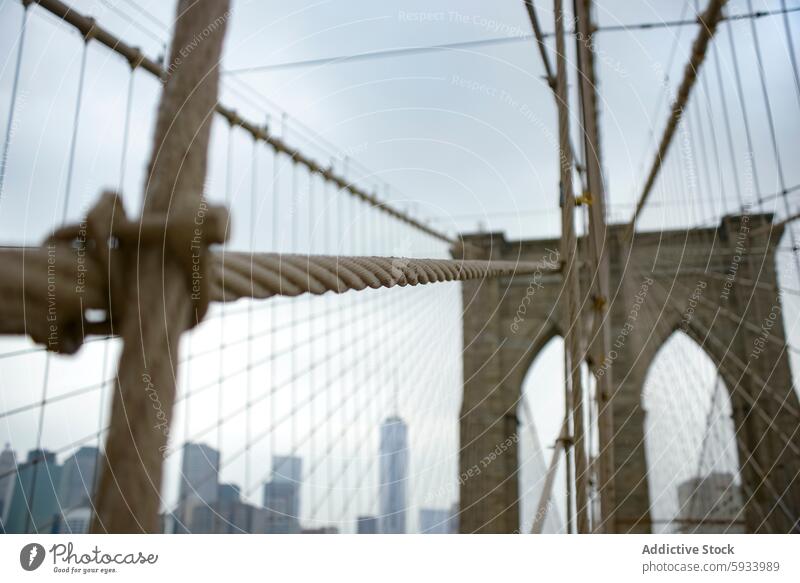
(570, 260)
(601, 333)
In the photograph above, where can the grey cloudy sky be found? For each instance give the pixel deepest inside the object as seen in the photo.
(459, 137)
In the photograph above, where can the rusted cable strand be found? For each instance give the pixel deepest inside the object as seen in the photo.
(708, 26)
(292, 275)
(90, 29)
(81, 281)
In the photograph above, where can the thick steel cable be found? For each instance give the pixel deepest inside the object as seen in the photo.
(292, 275)
(708, 21)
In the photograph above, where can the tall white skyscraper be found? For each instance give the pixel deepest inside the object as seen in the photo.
(393, 476)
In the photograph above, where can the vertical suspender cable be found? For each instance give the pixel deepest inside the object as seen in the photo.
(48, 355)
(249, 389)
(273, 367)
(329, 237)
(106, 343)
(293, 248)
(14, 93)
(74, 137)
(728, 132)
(310, 301)
(220, 392)
(773, 137)
(790, 46)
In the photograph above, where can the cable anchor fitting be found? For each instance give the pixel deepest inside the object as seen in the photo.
(584, 199)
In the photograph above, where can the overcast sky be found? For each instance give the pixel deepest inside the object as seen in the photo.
(462, 138)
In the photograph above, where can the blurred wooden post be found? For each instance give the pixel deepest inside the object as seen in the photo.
(572, 327)
(599, 274)
(156, 288)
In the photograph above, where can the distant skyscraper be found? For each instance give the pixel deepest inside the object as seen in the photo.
(34, 505)
(455, 512)
(199, 473)
(434, 520)
(367, 525)
(199, 487)
(393, 476)
(8, 465)
(286, 468)
(710, 505)
(77, 476)
(229, 514)
(75, 521)
(280, 500)
(282, 495)
(229, 493)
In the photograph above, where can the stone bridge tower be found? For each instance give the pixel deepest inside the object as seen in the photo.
(718, 285)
